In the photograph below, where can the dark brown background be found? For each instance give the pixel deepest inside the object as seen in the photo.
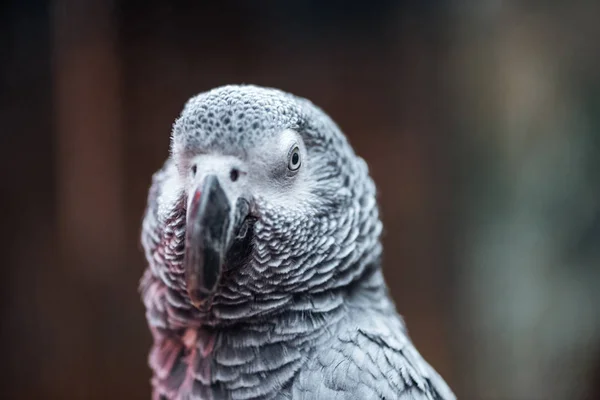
(479, 120)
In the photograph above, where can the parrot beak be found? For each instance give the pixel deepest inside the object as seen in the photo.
(208, 225)
(215, 237)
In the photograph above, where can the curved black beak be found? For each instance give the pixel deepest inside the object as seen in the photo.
(212, 231)
(208, 224)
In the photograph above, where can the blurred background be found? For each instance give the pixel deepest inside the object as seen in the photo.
(480, 120)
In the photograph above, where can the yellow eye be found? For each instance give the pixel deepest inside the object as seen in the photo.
(294, 161)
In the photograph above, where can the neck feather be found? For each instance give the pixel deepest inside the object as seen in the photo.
(214, 361)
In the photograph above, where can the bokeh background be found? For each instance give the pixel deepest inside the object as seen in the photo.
(480, 120)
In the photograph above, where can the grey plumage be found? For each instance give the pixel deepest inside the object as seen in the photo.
(304, 312)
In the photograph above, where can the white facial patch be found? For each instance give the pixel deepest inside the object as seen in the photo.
(270, 176)
(171, 193)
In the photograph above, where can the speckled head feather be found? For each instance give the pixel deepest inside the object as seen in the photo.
(234, 118)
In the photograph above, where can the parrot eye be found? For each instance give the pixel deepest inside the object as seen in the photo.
(194, 170)
(294, 158)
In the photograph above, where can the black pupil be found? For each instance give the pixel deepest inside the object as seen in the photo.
(234, 174)
(295, 158)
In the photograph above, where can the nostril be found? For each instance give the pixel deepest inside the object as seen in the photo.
(234, 174)
(194, 168)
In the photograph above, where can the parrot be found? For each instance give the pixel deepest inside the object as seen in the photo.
(264, 278)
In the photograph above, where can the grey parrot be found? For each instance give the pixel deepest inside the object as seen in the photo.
(264, 279)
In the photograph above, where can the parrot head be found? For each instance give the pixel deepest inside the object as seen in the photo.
(272, 201)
